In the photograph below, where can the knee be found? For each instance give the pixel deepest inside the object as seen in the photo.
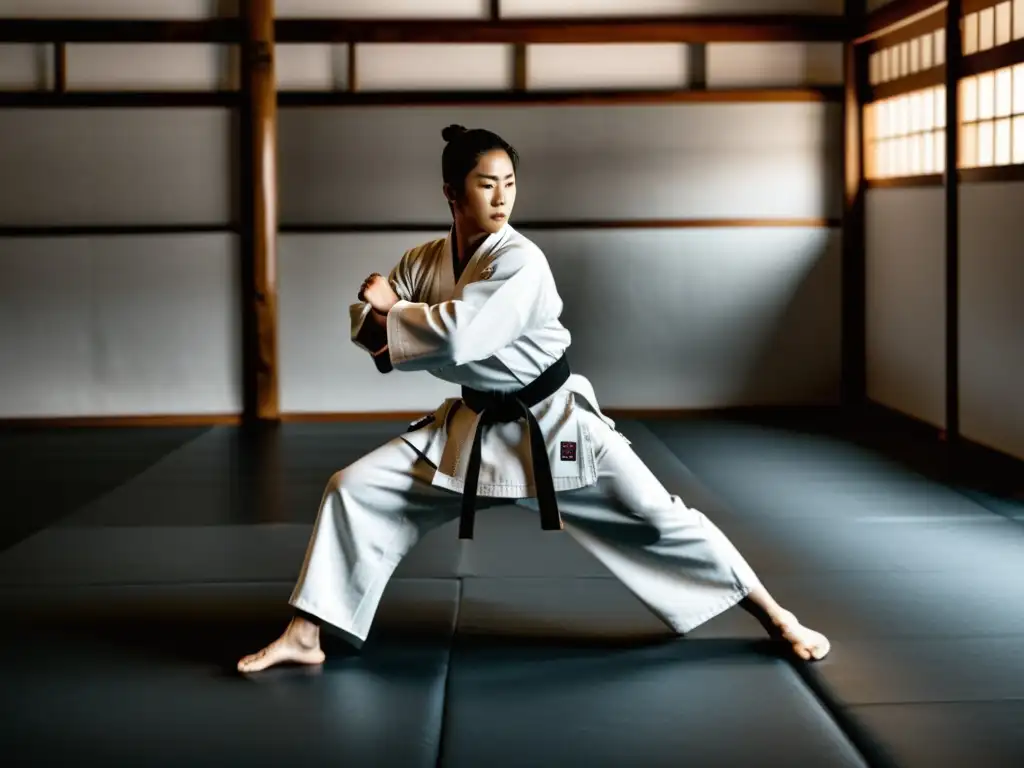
(667, 510)
(343, 481)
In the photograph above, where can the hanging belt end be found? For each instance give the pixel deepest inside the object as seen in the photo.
(466, 527)
(552, 524)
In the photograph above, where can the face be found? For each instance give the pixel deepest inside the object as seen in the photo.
(490, 193)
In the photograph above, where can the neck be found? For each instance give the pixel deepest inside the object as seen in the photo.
(467, 239)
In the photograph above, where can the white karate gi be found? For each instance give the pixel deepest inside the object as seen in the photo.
(498, 328)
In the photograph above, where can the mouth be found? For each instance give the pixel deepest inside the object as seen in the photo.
(498, 217)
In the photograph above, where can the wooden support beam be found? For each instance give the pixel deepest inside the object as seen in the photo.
(697, 65)
(647, 29)
(954, 63)
(353, 69)
(115, 99)
(894, 13)
(854, 298)
(259, 213)
(114, 230)
(545, 97)
(665, 29)
(60, 68)
(120, 31)
(520, 73)
(566, 224)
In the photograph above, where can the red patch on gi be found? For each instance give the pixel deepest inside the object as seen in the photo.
(568, 451)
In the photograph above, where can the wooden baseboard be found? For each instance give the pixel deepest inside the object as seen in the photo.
(322, 417)
(351, 416)
(154, 420)
(614, 413)
(973, 458)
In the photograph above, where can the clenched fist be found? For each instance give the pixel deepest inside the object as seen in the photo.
(377, 292)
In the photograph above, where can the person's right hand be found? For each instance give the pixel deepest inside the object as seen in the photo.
(377, 292)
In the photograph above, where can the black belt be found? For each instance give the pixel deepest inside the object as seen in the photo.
(503, 408)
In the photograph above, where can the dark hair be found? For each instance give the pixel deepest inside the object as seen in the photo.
(463, 150)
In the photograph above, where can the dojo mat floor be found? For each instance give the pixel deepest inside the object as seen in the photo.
(137, 565)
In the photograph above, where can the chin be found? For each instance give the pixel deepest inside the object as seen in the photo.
(491, 226)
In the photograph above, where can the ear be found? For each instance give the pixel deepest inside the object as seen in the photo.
(449, 193)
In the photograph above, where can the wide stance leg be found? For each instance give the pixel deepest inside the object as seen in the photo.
(372, 513)
(672, 557)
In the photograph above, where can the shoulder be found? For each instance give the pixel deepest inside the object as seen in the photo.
(518, 251)
(424, 253)
(424, 250)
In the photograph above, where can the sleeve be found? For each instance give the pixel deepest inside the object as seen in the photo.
(491, 313)
(402, 283)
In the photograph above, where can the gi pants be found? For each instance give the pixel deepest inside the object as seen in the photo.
(672, 557)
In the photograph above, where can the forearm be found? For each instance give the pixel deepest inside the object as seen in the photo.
(373, 332)
(379, 335)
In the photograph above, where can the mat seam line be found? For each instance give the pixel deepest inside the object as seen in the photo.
(439, 760)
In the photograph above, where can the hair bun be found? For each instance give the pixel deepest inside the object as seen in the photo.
(452, 131)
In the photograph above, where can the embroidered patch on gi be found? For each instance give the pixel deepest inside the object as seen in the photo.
(568, 451)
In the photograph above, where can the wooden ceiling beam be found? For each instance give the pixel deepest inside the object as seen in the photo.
(662, 29)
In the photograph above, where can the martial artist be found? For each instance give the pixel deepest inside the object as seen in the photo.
(479, 308)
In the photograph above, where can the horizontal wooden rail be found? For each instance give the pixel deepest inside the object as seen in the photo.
(118, 230)
(111, 230)
(226, 30)
(118, 99)
(989, 173)
(902, 182)
(150, 99)
(895, 13)
(99, 422)
(905, 32)
(992, 59)
(929, 78)
(591, 224)
(556, 97)
(663, 29)
(970, 6)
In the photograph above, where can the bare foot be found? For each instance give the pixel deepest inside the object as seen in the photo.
(300, 644)
(808, 644)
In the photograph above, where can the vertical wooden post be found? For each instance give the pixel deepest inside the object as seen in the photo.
(519, 72)
(697, 65)
(854, 295)
(259, 212)
(954, 57)
(353, 72)
(60, 67)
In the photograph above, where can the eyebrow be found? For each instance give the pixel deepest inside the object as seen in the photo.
(494, 178)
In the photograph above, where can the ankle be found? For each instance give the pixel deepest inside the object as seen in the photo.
(304, 631)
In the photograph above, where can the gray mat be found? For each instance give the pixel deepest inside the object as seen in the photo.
(922, 670)
(49, 473)
(194, 554)
(585, 610)
(669, 704)
(948, 735)
(774, 474)
(158, 687)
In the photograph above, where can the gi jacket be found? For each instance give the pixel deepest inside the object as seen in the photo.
(495, 328)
